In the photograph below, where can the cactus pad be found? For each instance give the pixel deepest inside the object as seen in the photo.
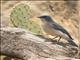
(20, 17)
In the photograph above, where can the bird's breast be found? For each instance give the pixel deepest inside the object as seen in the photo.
(48, 29)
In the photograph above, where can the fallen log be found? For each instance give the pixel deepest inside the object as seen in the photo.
(22, 44)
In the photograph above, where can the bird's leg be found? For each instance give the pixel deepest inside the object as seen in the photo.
(59, 39)
(55, 37)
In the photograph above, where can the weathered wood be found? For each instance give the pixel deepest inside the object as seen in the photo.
(22, 44)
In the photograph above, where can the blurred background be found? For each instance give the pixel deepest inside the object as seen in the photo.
(66, 13)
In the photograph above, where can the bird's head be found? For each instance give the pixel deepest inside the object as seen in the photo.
(45, 18)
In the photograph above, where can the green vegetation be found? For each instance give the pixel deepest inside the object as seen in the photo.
(20, 17)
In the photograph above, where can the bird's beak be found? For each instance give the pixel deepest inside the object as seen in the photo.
(39, 17)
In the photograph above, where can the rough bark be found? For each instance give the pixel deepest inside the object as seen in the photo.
(22, 44)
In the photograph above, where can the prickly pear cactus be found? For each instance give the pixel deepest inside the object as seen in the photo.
(20, 17)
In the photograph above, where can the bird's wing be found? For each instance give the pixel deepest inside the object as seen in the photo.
(60, 28)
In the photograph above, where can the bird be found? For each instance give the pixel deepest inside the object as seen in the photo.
(54, 29)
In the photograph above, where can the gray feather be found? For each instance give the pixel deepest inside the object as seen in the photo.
(60, 28)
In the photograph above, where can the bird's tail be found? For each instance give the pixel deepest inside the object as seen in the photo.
(72, 43)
